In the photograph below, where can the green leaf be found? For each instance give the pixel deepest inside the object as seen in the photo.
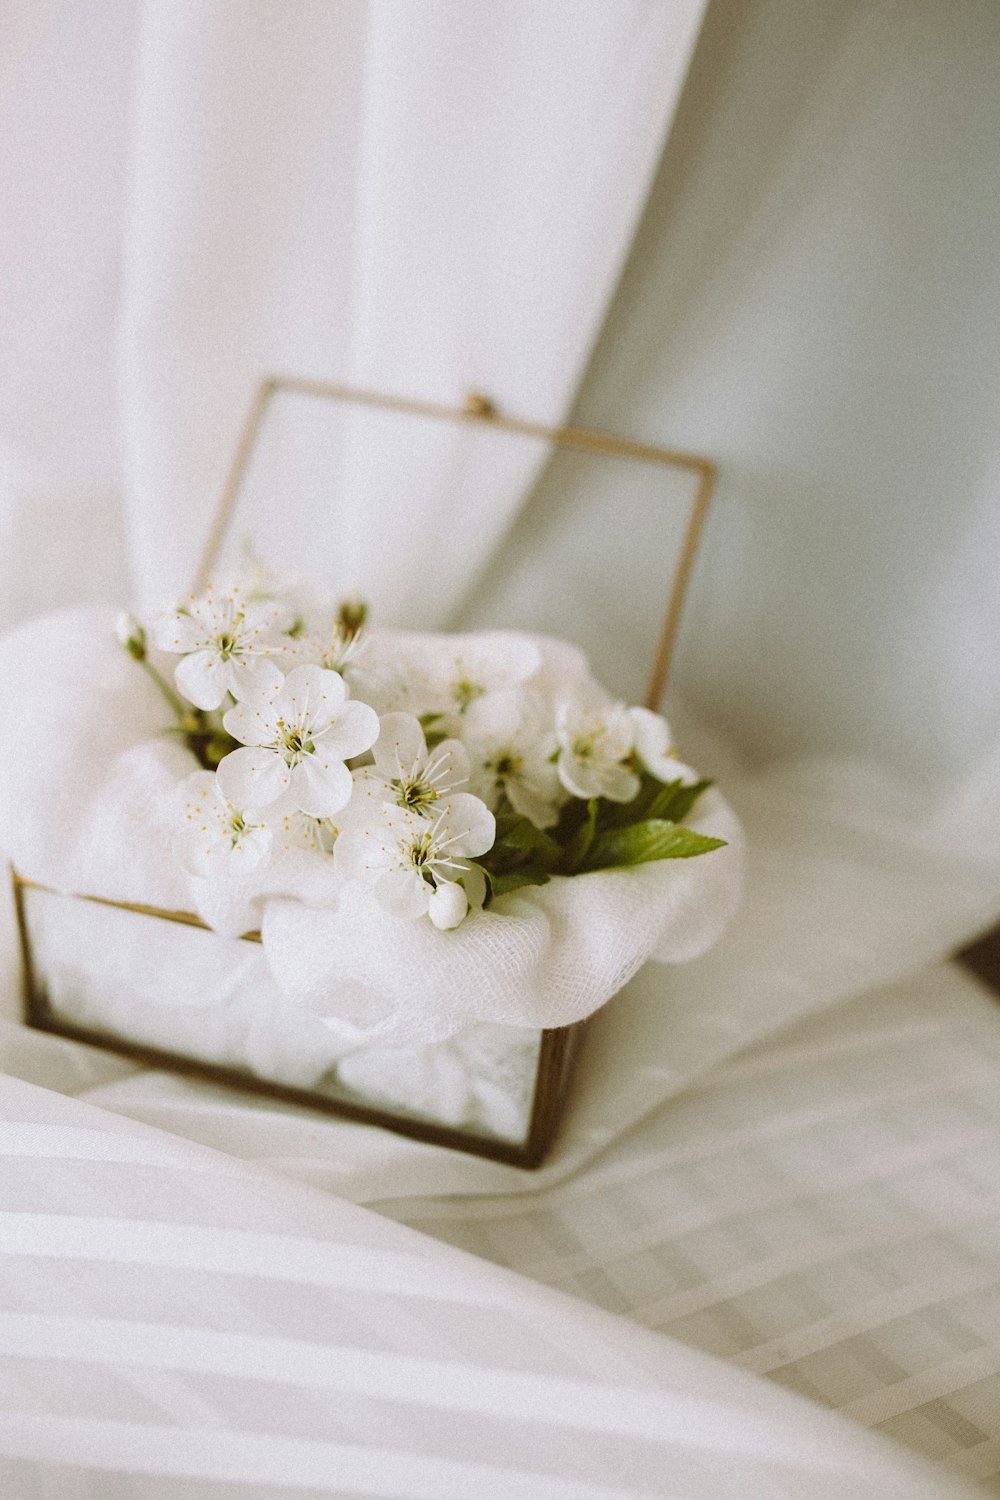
(655, 838)
(676, 800)
(524, 838)
(572, 814)
(623, 814)
(659, 803)
(500, 885)
(432, 735)
(578, 845)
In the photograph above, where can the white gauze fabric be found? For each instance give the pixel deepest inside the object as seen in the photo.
(91, 812)
(87, 767)
(542, 956)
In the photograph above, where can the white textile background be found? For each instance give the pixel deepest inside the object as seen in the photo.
(176, 1326)
(428, 200)
(432, 198)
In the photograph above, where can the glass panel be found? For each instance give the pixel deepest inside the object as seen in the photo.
(552, 539)
(591, 557)
(148, 982)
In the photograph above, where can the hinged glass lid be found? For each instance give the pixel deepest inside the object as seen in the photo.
(465, 518)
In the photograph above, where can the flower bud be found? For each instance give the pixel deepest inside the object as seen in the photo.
(448, 905)
(131, 635)
(352, 615)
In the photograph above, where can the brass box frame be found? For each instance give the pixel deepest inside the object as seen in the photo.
(557, 1046)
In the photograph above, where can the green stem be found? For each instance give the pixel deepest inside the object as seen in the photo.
(180, 708)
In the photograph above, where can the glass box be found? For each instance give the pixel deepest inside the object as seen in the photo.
(163, 988)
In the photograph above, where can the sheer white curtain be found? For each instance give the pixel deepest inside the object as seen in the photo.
(424, 198)
(197, 192)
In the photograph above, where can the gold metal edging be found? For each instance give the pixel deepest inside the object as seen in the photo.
(39, 1015)
(555, 1058)
(479, 408)
(186, 918)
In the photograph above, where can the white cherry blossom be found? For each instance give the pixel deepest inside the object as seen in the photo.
(259, 581)
(595, 747)
(225, 640)
(406, 773)
(512, 756)
(411, 858)
(216, 838)
(340, 649)
(654, 748)
(477, 670)
(296, 735)
(296, 832)
(447, 677)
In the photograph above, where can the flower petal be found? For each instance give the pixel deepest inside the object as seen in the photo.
(447, 766)
(498, 658)
(254, 719)
(250, 851)
(619, 734)
(207, 857)
(201, 679)
(321, 787)
(313, 696)
(354, 730)
(652, 734)
(403, 893)
(357, 853)
(497, 716)
(474, 882)
(198, 792)
(400, 746)
(465, 826)
(248, 676)
(252, 777)
(369, 792)
(580, 779)
(201, 832)
(618, 783)
(527, 800)
(177, 633)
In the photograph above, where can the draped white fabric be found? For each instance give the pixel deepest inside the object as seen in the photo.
(437, 197)
(822, 1210)
(345, 191)
(172, 1324)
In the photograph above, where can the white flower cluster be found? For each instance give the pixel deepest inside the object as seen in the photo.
(387, 756)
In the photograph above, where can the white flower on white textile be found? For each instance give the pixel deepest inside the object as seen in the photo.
(446, 677)
(480, 669)
(216, 838)
(653, 748)
(258, 581)
(297, 832)
(340, 650)
(296, 733)
(225, 640)
(512, 753)
(595, 747)
(406, 773)
(420, 865)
